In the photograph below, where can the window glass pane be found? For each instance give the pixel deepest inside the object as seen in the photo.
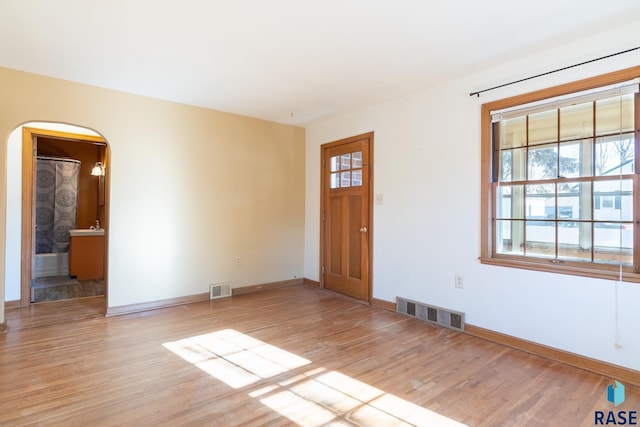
(576, 121)
(541, 238)
(506, 166)
(510, 202)
(543, 127)
(345, 181)
(543, 162)
(574, 240)
(614, 155)
(575, 159)
(346, 161)
(503, 202)
(541, 201)
(509, 235)
(335, 180)
(513, 132)
(335, 163)
(614, 115)
(357, 159)
(513, 165)
(613, 200)
(574, 201)
(613, 243)
(356, 178)
(625, 200)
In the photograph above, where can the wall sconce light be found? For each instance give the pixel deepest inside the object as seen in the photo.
(98, 169)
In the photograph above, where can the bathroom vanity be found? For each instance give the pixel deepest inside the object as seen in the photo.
(86, 254)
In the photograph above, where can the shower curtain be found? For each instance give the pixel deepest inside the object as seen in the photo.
(56, 200)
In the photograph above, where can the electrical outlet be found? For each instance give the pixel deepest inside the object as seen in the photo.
(238, 260)
(458, 281)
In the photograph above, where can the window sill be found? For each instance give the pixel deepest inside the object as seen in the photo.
(563, 269)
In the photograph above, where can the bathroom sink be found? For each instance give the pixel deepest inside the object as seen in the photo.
(86, 232)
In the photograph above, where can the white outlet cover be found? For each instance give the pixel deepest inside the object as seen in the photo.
(459, 282)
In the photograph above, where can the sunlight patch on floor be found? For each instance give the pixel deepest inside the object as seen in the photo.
(234, 358)
(312, 398)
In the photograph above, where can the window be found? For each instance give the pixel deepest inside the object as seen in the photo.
(560, 185)
(346, 170)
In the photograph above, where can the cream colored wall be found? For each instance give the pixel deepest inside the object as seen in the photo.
(191, 188)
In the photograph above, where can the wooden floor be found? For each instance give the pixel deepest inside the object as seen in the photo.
(292, 356)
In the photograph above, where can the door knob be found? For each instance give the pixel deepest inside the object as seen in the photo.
(363, 230)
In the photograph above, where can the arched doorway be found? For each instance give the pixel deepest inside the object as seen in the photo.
(52, 141)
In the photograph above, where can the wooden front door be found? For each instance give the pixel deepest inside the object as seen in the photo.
(346, 225)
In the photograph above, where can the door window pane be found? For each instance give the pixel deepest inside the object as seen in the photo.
(345, 180)
(335, 180)
(335, 163)
(357, 159)
(346, 170)
(356, 178)
(346, 161)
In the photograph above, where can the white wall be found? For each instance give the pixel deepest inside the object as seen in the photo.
(13, 217)
(427, 167)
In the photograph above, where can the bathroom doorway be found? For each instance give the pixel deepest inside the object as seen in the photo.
(64, 187)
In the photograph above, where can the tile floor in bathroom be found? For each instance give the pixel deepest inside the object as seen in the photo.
(58, 288)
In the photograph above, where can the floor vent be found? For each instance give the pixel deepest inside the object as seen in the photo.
(411, 308)
(430, 313)
(219, 290)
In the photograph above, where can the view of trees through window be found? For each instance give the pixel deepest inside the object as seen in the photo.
(564, 181)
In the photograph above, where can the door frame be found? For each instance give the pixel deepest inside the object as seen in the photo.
(29, 153)
(324, 182)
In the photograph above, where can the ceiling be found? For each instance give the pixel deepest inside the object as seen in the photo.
(289, 61)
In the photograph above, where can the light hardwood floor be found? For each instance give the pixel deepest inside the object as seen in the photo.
(296, 355)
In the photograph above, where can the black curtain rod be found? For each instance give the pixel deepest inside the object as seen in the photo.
(554, 71)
